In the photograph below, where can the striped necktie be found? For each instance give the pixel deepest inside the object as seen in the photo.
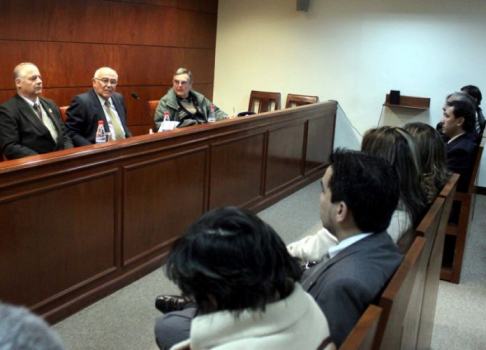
(119, 133)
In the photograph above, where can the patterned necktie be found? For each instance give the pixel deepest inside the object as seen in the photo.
(119, 133)
(38, 111)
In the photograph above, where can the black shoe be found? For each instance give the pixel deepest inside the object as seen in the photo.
(168, 303)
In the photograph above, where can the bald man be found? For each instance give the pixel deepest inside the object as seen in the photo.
(29, 124)
(100, 103)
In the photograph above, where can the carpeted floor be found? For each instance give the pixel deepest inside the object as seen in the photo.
(125, 319)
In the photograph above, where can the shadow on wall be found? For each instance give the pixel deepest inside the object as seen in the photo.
(345, 136)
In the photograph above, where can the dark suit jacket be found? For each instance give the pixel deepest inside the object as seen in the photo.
(461, 154)
(83, 115)
(347, 284)
(23, 134)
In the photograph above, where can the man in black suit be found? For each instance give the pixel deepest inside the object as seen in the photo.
(359, 195)
(100, 103)
(458, 125)
(30, 124)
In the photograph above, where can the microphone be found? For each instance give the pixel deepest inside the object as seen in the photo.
(145, 103)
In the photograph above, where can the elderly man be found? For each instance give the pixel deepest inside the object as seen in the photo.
(185, 105)
(30, 124)
(100, 103)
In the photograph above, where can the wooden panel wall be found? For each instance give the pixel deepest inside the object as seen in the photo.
(78, 224)
(145, 41)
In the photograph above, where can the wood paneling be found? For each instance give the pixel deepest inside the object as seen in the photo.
(145, 41)
(78, 224)
(319, 144)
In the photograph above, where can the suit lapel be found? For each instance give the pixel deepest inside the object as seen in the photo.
(99, 110)
(31, 116)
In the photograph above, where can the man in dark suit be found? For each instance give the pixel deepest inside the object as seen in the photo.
(359, 195)
(30, 124)
(458, 125)
(100, 103)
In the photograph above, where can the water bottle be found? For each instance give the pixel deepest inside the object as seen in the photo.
(166, 122)
(100, 133)
(212, 117)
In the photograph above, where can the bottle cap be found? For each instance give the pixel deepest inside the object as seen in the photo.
(100, 122)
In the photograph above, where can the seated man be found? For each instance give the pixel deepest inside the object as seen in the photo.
(30, 124)
(244, 286)
(185, 105)
(359, 195)
(475, 93)
(457, 125)
(100, 103)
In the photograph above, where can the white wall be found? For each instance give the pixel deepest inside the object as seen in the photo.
(352, 51)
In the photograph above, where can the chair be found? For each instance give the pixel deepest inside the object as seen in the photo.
(63, 112)
(153, 106)
(395, 299)
(300, 100)
(425, 279)
(433, 269)
(265, 101)
(363, 334)
(456, 234)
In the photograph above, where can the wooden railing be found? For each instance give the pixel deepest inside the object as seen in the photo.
(78, 224)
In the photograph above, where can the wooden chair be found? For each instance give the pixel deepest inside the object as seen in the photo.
(300, 100)
(433, 269)
(63, 112)
(451, 270)
(428, 228)
(265, 100)
(363, 334)
(395, 299)
(153, 106)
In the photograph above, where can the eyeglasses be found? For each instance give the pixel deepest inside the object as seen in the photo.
(182, 82)
(105, 81)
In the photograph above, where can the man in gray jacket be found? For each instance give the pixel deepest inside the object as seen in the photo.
(185, 105)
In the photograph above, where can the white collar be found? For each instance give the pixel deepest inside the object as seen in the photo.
(333, 251)
(455, 137)
(30, 101)
(102, 100)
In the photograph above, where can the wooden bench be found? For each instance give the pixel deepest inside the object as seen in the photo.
(363, 334)
(395, 299)
(456, 234)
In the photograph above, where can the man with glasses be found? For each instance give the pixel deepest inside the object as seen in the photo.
(185, 105)
(100, 103)
(30, 124)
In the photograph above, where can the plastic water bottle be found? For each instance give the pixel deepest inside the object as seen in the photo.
(212, 117)
(166, 122)
(100, 133)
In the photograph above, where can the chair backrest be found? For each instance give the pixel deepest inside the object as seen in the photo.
(363, 334)
(265, 101)
(300, 100)
(153, 106)
(63, 110)
(428, 228)
(395, 299)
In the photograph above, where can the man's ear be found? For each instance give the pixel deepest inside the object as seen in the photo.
(460, 121)
(341, 212)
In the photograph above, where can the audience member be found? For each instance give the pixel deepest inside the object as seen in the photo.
(30, 124)
(457, 125)
(100, 103)
(459, 96)
(398, 147)
(360, 192)
(184, 104)
(236, 270)
(475, 93)
(22, 330)
(433, 158)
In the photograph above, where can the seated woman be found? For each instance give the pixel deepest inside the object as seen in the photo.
(237, 271)
(433, 158)
(398, 147)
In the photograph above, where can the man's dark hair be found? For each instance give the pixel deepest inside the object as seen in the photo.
(474, 92)
(466, 110)
(368, 185)
(229, 259)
